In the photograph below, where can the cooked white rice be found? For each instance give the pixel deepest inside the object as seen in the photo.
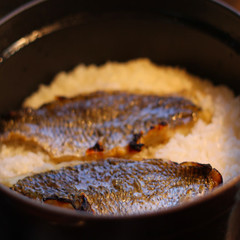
(215, 140)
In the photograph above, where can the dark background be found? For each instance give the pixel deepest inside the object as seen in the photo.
(7, 6)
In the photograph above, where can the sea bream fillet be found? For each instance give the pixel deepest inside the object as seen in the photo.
(121, 186)
(100, 124)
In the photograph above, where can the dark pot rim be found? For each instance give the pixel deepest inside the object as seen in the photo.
(74, 215)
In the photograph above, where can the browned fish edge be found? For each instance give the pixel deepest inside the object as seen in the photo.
(215, 175)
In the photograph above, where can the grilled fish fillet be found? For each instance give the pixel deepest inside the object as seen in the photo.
(101, 124)
(120, 186)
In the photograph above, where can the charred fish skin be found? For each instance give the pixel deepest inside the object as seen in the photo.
(100, 124)
(121, 187)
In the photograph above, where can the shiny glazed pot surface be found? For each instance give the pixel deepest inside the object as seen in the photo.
(45, 37)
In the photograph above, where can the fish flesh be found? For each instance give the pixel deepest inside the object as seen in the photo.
(120, 186)
(99, 124)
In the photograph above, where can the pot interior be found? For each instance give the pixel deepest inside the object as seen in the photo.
(96, 36)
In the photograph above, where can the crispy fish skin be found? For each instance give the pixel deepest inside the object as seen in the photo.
(121, 187)
(100, 124)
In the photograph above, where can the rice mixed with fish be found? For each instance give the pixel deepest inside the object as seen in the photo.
(212, 139)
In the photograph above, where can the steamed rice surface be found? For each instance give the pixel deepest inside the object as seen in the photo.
(214, 139)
